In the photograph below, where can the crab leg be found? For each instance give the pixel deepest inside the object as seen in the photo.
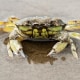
(73, 25)
(73, 49)
(9, 24)
(58, 47)
(74, 35)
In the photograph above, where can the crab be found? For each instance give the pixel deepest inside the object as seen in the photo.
(40, 28)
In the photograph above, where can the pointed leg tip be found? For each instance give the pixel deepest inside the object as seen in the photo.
(76, 56)
(51, 53)
(48, 55)
(23, 54)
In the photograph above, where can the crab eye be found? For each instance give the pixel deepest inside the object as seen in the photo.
(42, 24)
(60, 22)
(51, 23)
(26, 23)
(29, 23)
(57, 22)
(35, 25)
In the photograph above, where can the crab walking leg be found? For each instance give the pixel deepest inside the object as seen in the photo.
(74, 35)
(58, 47)
(8, 24)
(73, 25)
(73, 49)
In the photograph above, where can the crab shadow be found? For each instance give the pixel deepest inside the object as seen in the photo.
(37, 51)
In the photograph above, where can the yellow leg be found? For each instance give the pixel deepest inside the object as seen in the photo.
(8, 26)
(74, 35)
(73, 25)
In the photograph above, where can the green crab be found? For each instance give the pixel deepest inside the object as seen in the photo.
(41, 28)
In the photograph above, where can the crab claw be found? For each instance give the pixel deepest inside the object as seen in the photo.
(22, 53)
(58, 47)
(15, 47)
(51, 53)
